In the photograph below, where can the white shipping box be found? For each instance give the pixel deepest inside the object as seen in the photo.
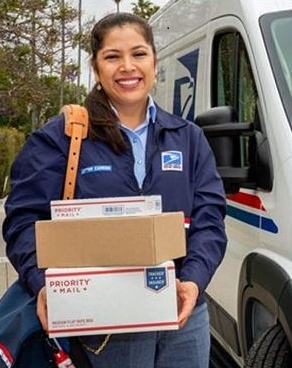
(99, 300)
(106, 207)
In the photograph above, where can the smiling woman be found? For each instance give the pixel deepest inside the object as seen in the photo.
(125, 68)
(90, 9)
(134, 147)
(124, 64)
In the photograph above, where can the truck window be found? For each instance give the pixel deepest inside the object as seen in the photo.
(225, 70)
(247, 93)
(233, 82)
(276, 30)
(281, 28)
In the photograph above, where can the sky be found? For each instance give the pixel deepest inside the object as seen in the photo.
(100, 8)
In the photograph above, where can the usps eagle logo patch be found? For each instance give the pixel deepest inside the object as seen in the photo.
(172, 161)
(156, 278)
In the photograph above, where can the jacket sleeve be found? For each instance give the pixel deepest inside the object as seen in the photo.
(37, 177)
(206, 239)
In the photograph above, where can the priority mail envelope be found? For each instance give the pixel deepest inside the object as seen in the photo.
(102, 300)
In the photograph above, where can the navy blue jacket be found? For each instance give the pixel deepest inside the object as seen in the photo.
(38, 175)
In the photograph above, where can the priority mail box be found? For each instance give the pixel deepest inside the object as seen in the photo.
(106, 207)
(90, 301)
(110, 241)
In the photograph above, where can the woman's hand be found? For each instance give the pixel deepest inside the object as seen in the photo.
(42, 308)
(187, 294)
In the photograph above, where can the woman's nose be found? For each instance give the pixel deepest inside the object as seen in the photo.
(127, 64)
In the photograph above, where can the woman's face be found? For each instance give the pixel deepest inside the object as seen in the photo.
(126, 67)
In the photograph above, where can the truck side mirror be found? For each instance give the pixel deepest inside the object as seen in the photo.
(225, 134)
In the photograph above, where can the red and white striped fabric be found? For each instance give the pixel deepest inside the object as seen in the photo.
(6, 356)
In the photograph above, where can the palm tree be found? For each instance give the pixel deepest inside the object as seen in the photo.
(62, 53)
(118, 5)
(144, 8)
(79, 50)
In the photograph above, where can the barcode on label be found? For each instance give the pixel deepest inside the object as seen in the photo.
(113, 210)
(157, 205)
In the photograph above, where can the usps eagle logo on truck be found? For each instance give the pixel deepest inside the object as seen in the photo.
(172, 161)
(156, 278)
(185, 85)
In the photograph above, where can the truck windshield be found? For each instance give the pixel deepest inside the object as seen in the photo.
(277, 33)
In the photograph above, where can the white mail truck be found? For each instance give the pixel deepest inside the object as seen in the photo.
(226, 65)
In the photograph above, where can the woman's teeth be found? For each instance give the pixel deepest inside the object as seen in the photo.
(129, 82)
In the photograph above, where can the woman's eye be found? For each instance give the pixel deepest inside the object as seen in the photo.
(109, 57)
(140, 54)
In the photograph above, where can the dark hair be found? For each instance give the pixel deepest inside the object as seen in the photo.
(103, 121)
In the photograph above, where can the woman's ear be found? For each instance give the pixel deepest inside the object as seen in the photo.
(96, 77)
(97, 81)
(155, 66)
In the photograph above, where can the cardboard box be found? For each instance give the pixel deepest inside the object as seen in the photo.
(91, 301)
(116, 241)
(106, 207)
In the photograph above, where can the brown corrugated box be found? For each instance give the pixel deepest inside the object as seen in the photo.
(117, 241)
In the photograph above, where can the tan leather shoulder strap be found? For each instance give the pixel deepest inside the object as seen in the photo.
(76, 127)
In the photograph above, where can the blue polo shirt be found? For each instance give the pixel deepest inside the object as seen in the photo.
(138, 139)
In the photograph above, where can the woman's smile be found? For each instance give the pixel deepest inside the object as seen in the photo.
(128, 83)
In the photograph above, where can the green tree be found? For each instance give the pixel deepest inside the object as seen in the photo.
(50, 103)
(85, 37)
(31, 46)
(144, 8)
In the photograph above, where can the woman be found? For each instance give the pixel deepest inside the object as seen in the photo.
(130, 134)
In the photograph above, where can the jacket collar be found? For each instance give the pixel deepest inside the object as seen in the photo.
(150, 111)
(167, 120)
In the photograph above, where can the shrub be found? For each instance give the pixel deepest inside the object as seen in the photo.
(11, 140)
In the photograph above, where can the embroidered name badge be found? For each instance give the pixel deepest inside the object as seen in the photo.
(156, 278)
(96, 168)
(172, 161)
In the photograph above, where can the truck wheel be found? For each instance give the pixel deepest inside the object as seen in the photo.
(271, 350)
